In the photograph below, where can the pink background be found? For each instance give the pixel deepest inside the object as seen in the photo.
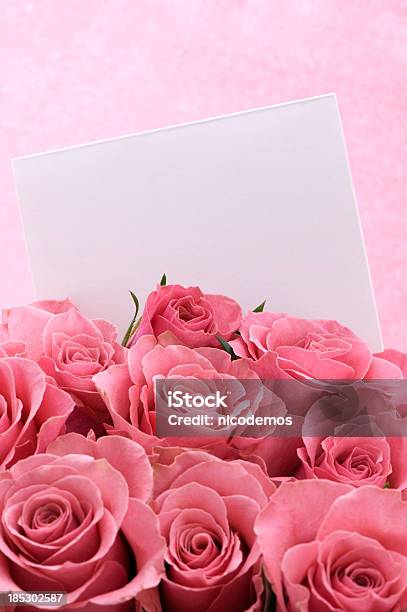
(80, 70)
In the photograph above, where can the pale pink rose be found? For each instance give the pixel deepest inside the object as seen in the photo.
(328, 546)
(283, 346)
(33, 411)
(193, 317)
(76, 520)
(207, 508)
(68, 346)
(361, 461)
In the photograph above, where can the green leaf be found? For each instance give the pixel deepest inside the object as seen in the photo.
(387, 485)
(163, 280)
(131, 328)
(227, 347)
(260, 307)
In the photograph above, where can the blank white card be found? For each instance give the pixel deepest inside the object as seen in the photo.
(256, 205)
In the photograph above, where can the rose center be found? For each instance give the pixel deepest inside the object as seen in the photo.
(46, 515)
(80, 354)
(365, 578)
(362, 581)
(198, 547)
(200, 542)
(185, 314)
(361, 462)
(190, 312)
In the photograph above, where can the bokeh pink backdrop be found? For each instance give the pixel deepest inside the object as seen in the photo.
(81, 70)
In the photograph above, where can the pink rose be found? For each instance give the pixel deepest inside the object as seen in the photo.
(327, 546)
(390, 358)
(76, 520)
(33, 411)
(129, 389)
(26, 323)
(355, 461)
(193, 317)
(207, 508)
(8, 347)
(283, 346)
(12, 349)
(68, 346)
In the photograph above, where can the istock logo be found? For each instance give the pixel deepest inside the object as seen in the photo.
(179, 399)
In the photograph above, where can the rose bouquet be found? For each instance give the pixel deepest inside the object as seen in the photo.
(96, 505)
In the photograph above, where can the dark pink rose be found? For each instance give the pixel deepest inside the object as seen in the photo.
(355, 461)
(68, 346)
(328, 546)
(207, 508)
(76, 520)
(283, 346)
(33, 411)
(193, 317)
